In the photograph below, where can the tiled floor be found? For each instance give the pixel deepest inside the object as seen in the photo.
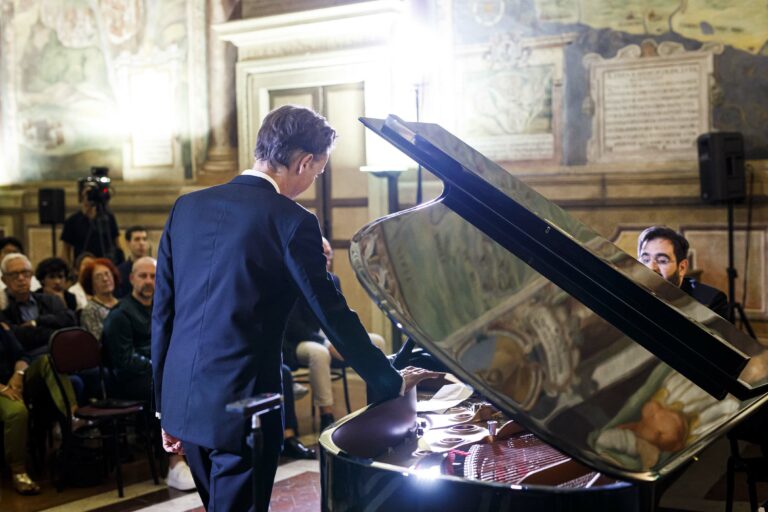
(301, 492)
(141, 493)
(297, 489)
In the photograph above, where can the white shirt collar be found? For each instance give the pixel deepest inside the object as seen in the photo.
(260, 174)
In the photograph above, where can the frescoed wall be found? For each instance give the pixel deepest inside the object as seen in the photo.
(104, 83)
(649, 48)
(594, 103)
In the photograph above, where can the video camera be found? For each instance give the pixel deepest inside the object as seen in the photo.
(96, 186)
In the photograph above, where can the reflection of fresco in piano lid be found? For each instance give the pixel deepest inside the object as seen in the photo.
(369, 253)
(451, 277)
(525, 347)
(667, 414)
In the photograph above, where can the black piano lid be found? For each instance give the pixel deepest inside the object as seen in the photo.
(493, 279)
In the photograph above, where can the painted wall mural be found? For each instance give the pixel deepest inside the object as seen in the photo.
(104, 82)
(650, 46)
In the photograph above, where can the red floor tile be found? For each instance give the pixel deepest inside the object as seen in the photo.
(300, 493)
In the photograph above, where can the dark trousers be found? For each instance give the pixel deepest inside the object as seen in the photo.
(225, 480)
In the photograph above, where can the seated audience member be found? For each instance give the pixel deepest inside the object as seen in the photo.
(665, 251)
(32, 316)
(52, 274)
(306, 344)
(138, 246)
(98, 279)
(126, 337)
(22, 383)
(10, 245)
(77, 289)
(292, 447)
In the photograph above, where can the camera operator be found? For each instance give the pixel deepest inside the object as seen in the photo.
(93, 228)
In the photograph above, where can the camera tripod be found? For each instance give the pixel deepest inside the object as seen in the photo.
(99, 228)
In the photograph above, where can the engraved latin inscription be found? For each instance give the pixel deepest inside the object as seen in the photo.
(652, 108)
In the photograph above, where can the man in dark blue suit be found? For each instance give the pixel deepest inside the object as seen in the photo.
(232, 261)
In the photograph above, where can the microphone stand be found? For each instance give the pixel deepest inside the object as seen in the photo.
(733, 305)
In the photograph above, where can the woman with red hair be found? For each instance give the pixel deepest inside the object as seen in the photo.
(99, 279)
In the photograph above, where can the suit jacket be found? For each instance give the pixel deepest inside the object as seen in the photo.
(231, 263)
(302, 325)
(52, 315)
(711, 297)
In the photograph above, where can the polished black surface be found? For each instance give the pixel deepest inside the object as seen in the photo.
(549, 321)
(602, 378)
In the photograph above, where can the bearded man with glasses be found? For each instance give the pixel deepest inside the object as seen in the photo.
(665, 251)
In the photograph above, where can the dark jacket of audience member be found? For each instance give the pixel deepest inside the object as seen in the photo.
(126, 337)
(124, 288)
(52, 315)
(10, 352)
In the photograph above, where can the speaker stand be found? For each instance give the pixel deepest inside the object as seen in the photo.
(734, 306)
(53, 239)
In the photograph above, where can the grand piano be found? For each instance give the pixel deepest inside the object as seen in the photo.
(583, 380)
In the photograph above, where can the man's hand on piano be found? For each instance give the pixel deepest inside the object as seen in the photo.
(413, 375)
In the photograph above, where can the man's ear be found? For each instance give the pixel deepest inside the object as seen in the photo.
(683, 267)
(304, 161)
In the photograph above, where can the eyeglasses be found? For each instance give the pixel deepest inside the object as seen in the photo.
(26, 274)
(660, 259)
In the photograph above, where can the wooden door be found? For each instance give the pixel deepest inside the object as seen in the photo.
(340, 196)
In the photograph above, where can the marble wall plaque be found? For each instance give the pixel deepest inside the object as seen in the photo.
(649, 102)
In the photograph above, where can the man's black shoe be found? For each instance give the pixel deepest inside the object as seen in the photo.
(294, 449)
(325, 421)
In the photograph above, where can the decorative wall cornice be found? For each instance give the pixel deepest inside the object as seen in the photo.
(320, 30)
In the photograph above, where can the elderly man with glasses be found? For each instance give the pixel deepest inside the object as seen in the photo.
(32, 316)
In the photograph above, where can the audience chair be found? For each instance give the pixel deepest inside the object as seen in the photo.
(338, 372)
(72, 350)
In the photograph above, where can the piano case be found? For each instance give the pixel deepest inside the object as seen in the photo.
(612, 378)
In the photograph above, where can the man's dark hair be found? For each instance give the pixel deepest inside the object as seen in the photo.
(679, 243)
(291, 128)
(134, 229)
(76, 265)
(9, 240)
(51, 266)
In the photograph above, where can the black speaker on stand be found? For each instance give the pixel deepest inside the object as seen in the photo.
(723, 180)
(721, 167)
(50, 207)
